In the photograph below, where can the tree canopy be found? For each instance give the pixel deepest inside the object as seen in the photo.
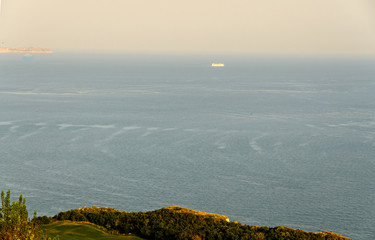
(14, 220)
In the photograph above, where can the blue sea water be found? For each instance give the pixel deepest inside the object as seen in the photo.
(264, 141)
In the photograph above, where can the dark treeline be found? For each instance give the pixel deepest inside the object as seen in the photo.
(174, 224)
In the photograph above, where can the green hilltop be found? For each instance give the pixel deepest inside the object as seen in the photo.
(108, 223)
(182, 223)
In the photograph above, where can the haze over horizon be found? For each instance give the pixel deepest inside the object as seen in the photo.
(249, 27)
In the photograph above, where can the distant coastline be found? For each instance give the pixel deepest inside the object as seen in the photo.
(26, 50)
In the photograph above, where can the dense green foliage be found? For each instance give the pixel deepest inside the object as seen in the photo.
(78, 231)
(166, 223)
(14, 220)
(170, 224)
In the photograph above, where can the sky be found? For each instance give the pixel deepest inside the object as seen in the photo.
(195, 26)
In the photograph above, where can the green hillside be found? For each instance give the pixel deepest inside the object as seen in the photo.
(181, 223)
(167, 223)
(78, 231)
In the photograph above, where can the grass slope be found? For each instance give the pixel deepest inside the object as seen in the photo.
(77, 231)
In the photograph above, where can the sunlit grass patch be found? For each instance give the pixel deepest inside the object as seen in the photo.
(73, 231)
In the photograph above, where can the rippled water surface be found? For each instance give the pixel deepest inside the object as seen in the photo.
(264, 141)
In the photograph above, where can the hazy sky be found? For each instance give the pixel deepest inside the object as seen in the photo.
(195, 26)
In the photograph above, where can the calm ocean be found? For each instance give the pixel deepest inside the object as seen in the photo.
(264, 141)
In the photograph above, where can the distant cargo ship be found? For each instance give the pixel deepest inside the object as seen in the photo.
(25, 50)
(217, 65)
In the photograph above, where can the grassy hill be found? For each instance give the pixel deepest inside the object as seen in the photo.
(167, 223)
(78, 230)
(182, 223)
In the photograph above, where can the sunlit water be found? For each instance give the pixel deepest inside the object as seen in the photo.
(264, 141)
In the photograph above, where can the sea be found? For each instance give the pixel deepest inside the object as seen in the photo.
(264, 140)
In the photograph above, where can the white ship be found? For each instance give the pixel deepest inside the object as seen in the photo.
(217, 65)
